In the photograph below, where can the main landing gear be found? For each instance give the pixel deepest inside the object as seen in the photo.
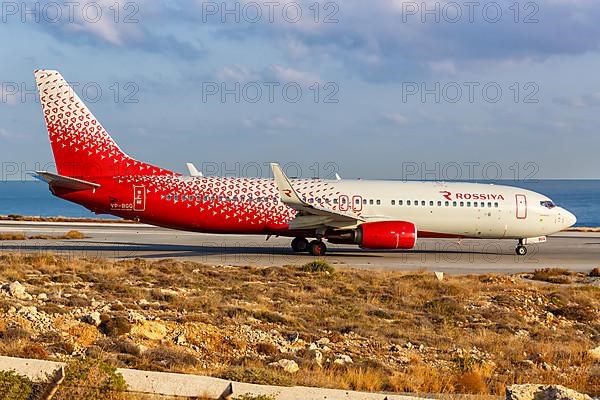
(315, 248)
(521, 250)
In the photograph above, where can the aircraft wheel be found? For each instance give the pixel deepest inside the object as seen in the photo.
(521, 250)
(300, 245)
(317, 248)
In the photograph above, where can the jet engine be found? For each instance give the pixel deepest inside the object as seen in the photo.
(386, 235)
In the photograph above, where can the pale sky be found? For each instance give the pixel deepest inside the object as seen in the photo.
(371, 89)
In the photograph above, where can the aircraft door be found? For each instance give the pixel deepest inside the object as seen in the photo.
(521, 201)
(357, 203)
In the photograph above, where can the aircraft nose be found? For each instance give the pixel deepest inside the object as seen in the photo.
(570, 218)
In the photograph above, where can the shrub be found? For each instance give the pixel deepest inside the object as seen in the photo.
(268, 349)
(74, 235)
(595, 273)
(318, 266)
(91, 379)
(171, 358)
(14, 333)
(14, 386)
(256, 375)
(471, 382)
(249, 396)
(116, 326)
(552, 275)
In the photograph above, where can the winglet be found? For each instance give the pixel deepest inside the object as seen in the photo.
(288, 195)
(193, 170)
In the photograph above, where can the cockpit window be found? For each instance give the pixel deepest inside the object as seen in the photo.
(548, 204)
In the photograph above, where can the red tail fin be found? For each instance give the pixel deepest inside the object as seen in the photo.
(82, 148)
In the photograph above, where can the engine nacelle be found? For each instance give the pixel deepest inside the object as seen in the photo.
(386, 235)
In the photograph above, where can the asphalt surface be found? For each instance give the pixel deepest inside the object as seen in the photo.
(575, 251)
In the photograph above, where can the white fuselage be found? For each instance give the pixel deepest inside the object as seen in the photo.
(454, 209)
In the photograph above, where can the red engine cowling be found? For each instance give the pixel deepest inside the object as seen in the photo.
(387, 235)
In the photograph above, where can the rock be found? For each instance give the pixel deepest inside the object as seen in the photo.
(343, 359)
(149, 330)
(12, 310)
(289, 366)
(134, 316)
(42, 296)
(180, 339)
(92, 318)
(319, 358)
(293, 337)
(543, 392)
(313, 346)
(323, 341)
(594, 353)
(143, 303)
(17, 291)
(439, 276)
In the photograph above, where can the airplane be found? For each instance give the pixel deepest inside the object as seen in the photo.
(94, 172)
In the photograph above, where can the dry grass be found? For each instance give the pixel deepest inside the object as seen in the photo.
(582, 229)
(405, 332)
(73, 234)
(15, 217)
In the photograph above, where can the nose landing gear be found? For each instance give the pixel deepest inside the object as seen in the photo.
(521, 250)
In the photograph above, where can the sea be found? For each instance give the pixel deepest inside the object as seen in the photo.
(32, 198)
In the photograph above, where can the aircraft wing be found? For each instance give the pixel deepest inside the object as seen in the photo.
(65, 182)
(311, 216)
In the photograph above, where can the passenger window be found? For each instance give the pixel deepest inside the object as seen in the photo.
(416, 203)
(169, 197)
(431, 203)
(423, 203)
(183, 198)
(439, 203)
(371, 202)
(489, 205)
(462, 203)
(357, 202)
(378, 202)
(400, 202)
(235, 198)
(335, 201)
(468, 204)
(176, 197)
(447, 203)
(453, 204)
(393, 202)
(408, 202)
(475, 204)
(496, 205)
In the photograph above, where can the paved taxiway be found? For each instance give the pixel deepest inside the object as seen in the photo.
(575, 251)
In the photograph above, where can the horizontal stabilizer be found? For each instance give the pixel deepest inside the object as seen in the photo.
(65, 182)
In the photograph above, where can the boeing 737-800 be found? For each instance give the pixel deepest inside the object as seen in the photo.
(94, 172)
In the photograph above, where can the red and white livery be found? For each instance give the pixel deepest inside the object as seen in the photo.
(93, 171)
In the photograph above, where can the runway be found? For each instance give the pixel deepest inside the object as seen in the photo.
(575, 251)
